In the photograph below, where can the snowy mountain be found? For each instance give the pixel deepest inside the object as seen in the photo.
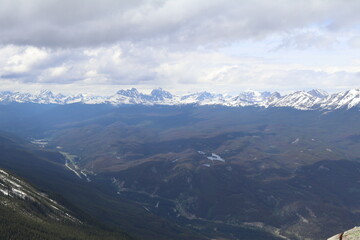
(160, 95)
(312, 100)
(318, 93)
(348, 99)
(251, 96)
(203, 98)
(299, 100)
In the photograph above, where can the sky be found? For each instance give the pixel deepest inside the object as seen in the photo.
(224, 46)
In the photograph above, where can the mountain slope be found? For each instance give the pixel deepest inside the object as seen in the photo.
(27, 213)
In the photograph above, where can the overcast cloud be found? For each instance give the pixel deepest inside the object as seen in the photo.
(180, 45)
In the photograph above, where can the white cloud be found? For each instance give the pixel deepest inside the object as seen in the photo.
(177, 23)
(119, 66)
(354, 41)
(216, 45)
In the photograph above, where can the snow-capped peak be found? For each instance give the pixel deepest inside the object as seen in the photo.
(312, 100)
(199, 96)
(254, 96)
(348, 99)
(45, 92)
(129, 92)
(318, 93)
(160, 94)
(299, 100)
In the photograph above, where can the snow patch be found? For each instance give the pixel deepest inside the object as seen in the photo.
(85, 175)
(215, 157)
(67, 165)
(19, 193)
(5, 192)
(40, 142)
(304, 220)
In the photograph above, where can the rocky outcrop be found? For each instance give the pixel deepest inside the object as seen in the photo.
(352, 234)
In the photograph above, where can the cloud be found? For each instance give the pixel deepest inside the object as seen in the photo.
(119, 66)
(103, 65)
(185, 23)
(355, 41)
(308, 38)
(181, 45)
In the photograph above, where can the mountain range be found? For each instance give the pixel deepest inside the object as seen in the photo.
(303, 100)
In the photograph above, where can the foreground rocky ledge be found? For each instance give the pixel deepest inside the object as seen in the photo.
(352, 234)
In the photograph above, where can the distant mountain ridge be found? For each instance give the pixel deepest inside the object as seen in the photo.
(303, 100)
